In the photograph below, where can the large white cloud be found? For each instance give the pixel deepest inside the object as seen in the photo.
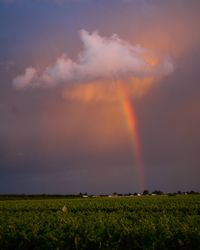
(101, 58)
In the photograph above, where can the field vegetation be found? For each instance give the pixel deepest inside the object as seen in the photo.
(117, 223)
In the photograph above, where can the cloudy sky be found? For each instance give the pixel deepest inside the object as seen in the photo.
(99, 96)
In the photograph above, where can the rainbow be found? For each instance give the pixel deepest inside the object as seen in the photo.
(132, 125)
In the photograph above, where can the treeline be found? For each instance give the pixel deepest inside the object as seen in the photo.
(159, 192)
(36, 196)
(85, 195)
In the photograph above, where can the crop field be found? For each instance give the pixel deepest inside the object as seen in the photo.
(146, 222)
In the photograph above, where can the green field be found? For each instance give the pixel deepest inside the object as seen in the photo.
(146, 222)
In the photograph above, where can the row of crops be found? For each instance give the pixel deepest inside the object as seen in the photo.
(159, 222)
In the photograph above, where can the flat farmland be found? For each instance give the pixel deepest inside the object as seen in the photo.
(146, 222)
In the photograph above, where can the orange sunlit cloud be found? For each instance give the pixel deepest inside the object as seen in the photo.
(106, 91)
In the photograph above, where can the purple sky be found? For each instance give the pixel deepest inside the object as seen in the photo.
(62, 126)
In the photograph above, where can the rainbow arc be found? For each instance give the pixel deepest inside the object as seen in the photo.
(132, 125)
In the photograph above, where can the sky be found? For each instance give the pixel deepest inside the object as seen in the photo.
(99, 96)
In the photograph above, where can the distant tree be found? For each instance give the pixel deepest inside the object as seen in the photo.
(146, 192)
(171, 194)
(157, 192)
(135, 194)
(192, 192)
